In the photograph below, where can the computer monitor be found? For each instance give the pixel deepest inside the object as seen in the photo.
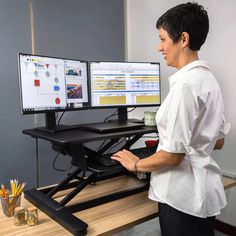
(124, 84)
(50, 84)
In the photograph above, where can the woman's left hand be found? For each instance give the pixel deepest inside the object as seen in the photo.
(126, 159)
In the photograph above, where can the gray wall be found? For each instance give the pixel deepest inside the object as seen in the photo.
(80, 29)
(16, 159)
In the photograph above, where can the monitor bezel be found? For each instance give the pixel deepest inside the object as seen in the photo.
(85, 106)
(114, 106)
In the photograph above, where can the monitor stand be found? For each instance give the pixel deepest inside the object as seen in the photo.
(113, 126)
(52, 127)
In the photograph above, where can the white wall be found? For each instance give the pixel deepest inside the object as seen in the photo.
(219, 50)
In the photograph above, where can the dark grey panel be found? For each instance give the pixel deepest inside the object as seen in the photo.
(85, 29)
(16, 150)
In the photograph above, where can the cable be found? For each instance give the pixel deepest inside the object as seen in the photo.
(58, 122)
(54, 164)
(132, 109)
(113, 114)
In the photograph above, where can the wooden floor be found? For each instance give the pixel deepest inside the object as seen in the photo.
(115, 218)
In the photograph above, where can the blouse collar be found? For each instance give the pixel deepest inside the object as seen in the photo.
(179, 74)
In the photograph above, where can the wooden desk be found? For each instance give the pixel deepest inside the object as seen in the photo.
(105, 219)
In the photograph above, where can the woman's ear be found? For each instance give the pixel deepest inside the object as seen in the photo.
(185, 39)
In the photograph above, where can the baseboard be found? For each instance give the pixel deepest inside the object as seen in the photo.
(225, 228)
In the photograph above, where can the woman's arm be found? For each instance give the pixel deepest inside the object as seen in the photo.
(155, 162)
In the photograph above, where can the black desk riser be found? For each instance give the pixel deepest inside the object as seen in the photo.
(87, 172)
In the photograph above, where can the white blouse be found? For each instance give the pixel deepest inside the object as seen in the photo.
(190, 121)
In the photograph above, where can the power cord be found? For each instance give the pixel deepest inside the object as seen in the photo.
(54, 164)
(115, 113)
(59, 120)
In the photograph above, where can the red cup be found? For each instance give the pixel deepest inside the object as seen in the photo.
(151, 143)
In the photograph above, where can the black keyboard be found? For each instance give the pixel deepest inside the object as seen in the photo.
(105, 159)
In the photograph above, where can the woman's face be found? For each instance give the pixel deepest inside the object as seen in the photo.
(169, 49)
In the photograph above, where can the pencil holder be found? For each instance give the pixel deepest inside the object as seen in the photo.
(9, 204)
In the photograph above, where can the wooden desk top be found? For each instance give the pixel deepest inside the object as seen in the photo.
(104, 219)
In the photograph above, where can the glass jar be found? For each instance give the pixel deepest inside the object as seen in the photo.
(9, 204)
(32, 216)
(20, 216)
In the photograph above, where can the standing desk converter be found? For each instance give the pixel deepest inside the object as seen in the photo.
(87, 172)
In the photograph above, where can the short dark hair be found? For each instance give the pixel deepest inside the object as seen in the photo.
(187, 17)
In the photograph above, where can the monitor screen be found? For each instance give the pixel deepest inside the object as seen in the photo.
(50, 84)
(124, 84)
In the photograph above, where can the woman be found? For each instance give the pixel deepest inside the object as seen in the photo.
(185, 179)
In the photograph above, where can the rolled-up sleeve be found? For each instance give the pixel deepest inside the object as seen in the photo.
(224, 129)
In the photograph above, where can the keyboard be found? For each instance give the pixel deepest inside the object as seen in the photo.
(105, 159)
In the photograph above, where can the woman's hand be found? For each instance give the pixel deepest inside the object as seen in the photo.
(126, 159)
(155, 162)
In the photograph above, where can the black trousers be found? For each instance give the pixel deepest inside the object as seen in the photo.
(177, 223)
